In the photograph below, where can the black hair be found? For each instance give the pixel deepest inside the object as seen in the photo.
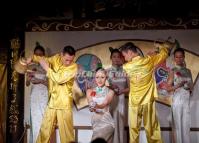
(129, 46)
(99, 140)
(69, 50)
(100, 69)
(179, 50)
(39, 47)
(114, 51)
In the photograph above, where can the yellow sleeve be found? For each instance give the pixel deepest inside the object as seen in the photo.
(161, 56)
(36, 58)
(127, 68)
(64, 75)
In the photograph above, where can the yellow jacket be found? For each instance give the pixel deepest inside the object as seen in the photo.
(142, 79)
(60, 82)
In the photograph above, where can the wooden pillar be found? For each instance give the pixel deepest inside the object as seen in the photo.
(15, 98)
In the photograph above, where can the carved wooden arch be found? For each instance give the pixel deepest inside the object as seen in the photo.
(44, 25)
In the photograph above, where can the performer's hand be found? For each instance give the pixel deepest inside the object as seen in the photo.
(121, 92)
(30, 75)
(91, 109)
(44, 64)
(190, 85)
(151, 53)
(36, 81)
(92, 106)
(169, 46)
(181, 84)
(113, 86)
(116, 89)
(44, 82)
(29, 60)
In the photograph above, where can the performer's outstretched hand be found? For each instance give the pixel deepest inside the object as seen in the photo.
(29, 60)
(44, 64)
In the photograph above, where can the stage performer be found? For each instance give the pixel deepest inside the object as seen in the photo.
(99, 99)
(61, 71)
(180, 83)
(118, 81)
(143, 91)
(39, 94)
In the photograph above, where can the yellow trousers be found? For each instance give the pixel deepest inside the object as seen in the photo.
(150, 121)
(64, 119)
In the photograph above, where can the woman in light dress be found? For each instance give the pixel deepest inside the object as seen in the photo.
(39, 94)
(119, 83)
(99, 99)
(180, 83)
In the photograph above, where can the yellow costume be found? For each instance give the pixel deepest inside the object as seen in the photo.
(59, 107)
(142, 96)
